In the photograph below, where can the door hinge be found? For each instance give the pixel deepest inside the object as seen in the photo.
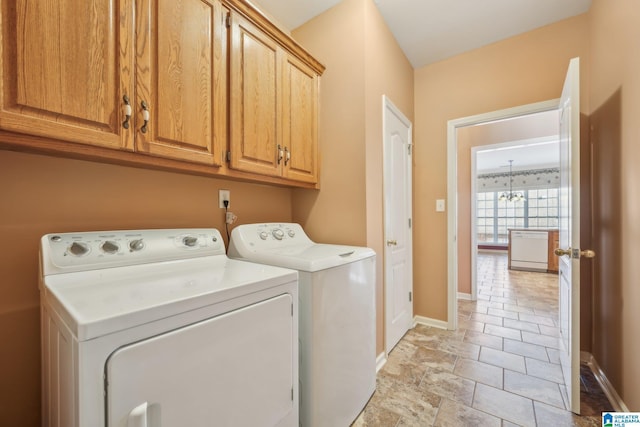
(410, 296)
(227, 20)
(291, 309)
(409, 222)
(292, 394)
(409, 148)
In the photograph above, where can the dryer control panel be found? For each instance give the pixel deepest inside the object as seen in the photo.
(82, 251)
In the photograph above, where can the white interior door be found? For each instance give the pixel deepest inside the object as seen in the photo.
(398, 264)
(569, 212)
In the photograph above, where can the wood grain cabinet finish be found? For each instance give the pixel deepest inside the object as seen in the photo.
(300, 121)
(183, 85)
(274, 102)
(66, 65)
(181, 77)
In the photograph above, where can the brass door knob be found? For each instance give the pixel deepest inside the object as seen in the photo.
(587, 253)
(391, 243)
(560, 252)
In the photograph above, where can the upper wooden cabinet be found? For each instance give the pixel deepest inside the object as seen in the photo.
(274, 105)
(66, 65)
(181, 57)
(300, 121)
(256, 99)
(183, 85)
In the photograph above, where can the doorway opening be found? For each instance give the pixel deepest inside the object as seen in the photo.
(458, 225)
(513, 195)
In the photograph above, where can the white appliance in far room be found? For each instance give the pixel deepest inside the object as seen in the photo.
(529, 250)
(337, 317)
(159, 328)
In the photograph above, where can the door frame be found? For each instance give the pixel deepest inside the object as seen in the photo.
(452, 190)
(387, 105)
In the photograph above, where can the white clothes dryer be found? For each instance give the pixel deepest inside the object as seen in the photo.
(337, 317)
(158, 327)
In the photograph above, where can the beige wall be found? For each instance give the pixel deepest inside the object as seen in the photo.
(40, 195)
(363, 62)
(615, 138)
(530, 126)
(521, 70)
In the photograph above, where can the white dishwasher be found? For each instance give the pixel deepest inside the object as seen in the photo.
(529, 250)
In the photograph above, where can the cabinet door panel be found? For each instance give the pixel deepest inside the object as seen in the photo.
(300, 126)
(255, 100)
(181, 77)
(66, 65)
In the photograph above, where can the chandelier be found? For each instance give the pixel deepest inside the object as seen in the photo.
(511, 196)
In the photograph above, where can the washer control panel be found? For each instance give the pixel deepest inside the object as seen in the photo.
(276, 231)
(267, 236)
(91, 250)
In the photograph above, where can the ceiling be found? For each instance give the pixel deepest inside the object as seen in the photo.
(539, 153)
(432, 30)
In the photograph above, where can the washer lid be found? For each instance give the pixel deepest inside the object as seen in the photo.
(287, 245)
(310, 258)
(98, 302)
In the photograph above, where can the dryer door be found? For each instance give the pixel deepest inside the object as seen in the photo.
(236, 369)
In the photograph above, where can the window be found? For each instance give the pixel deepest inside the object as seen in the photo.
(494, 218)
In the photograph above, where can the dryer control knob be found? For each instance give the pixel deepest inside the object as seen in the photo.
(263, 235)
(190, 241)
(278, 234)
(110, 247)
(136, 245)
(291, 233)
(78, 249)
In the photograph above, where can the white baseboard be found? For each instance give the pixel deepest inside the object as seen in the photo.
(427, 321)
(466, 297)
(381, 360)
(607, 387)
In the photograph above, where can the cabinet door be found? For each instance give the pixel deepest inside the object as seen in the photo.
(300, 121)
(181, 79)
(66, 66)
(255, 78)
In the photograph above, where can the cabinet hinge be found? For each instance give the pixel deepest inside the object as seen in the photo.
(410, 296)
(227, 20)
(409, 222)
(292, 394)
(227, 156)
(409, 148)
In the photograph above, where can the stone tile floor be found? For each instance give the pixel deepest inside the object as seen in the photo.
(500, 368)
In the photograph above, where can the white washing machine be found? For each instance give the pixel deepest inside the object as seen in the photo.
(337, 317)
(160, 328)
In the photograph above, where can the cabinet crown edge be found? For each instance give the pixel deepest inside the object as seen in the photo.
(251, 12)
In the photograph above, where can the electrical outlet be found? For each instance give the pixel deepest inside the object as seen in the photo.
(440, 205)
(222, 196)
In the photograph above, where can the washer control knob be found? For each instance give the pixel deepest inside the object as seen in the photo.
(136, 245)
(78, 249)
(278, 234)
(291, 233)
(110, 247)
(263, 235)
(190, 241)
